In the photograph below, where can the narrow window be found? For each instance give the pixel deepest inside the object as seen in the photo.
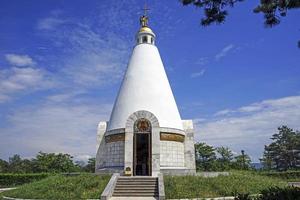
(151, 40)
(144, 39)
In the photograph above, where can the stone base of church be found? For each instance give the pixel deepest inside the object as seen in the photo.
(171, 150)
(110, 170)
(177, 171)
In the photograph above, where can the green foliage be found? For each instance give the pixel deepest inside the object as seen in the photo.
(90, 167)
(3, 166)
(209, 158)
(284, 152)
(274, 9)
(46, 163)
(214, 10)
(10, 180)
(276, 193)
(289, 175)
(85, 186)
(243, 197)
(205, 156)
(53, 163)
(226, 156)
(239, 181)
(242, 161)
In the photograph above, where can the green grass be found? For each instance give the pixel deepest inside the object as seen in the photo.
(84, 186)
(195, 186)
(91, 186)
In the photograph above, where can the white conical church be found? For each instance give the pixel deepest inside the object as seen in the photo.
(145, 134)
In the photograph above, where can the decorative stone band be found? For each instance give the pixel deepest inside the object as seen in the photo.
(115, 138)
(115, 131)
(167, 134)
(172, 137)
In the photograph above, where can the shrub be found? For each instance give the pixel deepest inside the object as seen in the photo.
(8, 180)
(276, 193)
(283, 175)
(242, 197)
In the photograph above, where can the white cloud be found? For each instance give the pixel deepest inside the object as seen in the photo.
(49, 23)
(14, 80)
(68, 128)
(202, 61)
(250, 127)
(224, 51)
(223, 112)
(198, 74)
(19, 60)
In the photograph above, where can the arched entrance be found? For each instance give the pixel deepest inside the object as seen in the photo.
(142, 148)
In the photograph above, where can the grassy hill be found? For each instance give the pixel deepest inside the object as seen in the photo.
(87, 186)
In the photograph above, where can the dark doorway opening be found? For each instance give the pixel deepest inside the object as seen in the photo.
(142, 146)
(142, 149)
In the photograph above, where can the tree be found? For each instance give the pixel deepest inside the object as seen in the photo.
(205, 156)
(284, 152)
(271, 9)
(3, 166)
(225, 158)
(90, 167)
(215, 11)
(242, 161)
(15, 164)
(266, 160)
(51, 162)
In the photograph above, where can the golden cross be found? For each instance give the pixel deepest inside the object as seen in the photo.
(145, 9)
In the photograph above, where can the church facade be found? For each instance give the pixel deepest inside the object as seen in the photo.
(145, 134)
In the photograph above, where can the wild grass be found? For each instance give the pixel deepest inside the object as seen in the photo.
(89, 186)
(237, 182)
(85, 186)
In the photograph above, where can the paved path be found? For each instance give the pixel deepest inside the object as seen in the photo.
(133, 198)
(6, 189)
(295, 184)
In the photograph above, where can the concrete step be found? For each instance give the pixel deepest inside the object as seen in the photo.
(135, 194)
(136, 190)
(137, 180)
(136, 187)
(138, 183)
(133, 198)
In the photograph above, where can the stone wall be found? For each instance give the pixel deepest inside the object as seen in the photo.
(114, 154)
(171, 154)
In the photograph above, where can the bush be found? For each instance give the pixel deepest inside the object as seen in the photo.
(9, 180)
(242, 197)
(276, 193)
(283, 175)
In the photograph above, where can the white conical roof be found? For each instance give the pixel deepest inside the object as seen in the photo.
(145, 87)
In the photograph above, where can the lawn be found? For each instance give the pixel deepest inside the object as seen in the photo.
(91, 186)
(237, 181)
(83, 186)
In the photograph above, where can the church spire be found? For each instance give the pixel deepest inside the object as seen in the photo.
(144, 19)
(145, 34)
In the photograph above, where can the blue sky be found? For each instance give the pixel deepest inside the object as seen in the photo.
(61, 64)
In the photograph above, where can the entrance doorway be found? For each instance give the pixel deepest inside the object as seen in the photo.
(142, 148)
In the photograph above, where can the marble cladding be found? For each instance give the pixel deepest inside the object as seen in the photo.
(114, 154)
(171, 154)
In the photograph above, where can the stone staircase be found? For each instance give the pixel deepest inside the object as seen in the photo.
(136, 187)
